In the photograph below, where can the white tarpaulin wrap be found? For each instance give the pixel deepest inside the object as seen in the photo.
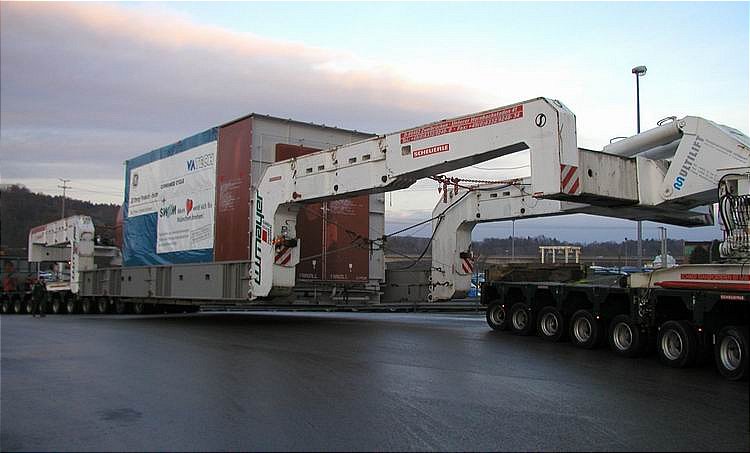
(181, 191)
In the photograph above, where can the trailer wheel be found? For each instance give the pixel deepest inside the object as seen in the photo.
(70, 306)
(121, 308)
(497, 318)
(29, 305)
(625, 337)
(550, 324)
(521, 319)
(585, 330)
(86, 306)
(57, 305)
(677, 344)
(102, 306)
(731, 353)
(17, 307)
(6, 305)
(139, 308)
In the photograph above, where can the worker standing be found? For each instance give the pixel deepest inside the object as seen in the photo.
(39, 299)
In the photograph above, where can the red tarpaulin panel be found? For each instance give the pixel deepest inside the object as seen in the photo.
(233, 192)
(327, 252)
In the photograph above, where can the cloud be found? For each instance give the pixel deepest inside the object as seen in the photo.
(86, 86)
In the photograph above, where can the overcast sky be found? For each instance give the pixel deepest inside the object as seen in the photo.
(85, 86)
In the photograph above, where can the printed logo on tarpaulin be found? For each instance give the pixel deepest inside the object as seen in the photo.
(188, 206)
(168, 210)
(200, 162)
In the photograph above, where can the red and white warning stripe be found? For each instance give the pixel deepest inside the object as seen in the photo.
(570, 181)
(283, 255)
(467, 264)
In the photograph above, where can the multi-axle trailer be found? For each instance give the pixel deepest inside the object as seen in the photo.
(668, 174)
(680, 324)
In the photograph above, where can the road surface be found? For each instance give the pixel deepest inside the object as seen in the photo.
(343, 381)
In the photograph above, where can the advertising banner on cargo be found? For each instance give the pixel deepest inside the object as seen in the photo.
(181, 189)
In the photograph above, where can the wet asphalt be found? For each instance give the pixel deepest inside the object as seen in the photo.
(345, 382)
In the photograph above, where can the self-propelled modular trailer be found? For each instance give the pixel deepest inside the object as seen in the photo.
(175, 251)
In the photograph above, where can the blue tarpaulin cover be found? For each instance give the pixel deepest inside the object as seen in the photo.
(139, 233)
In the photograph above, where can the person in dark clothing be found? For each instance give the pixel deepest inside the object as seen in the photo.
(39, 300)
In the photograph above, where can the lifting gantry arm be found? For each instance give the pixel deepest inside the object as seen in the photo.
(396, 161)
(667, 174)
(632, 178)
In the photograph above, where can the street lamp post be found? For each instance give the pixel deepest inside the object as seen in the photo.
(639, 71)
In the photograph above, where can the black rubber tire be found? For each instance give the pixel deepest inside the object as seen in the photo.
(71, 306)
(28, 306)
(521, 319)
(497, 317)
(57, 306)
(677, 344)
(87, 305)
(122, 308)
(17, 306)
(585, 330)
(5, 306)
(102, 306)
(550, 324)
(625, 337)
(139, 308)
(731, 353)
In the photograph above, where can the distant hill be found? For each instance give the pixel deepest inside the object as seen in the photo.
(21, 210)
(529, 246)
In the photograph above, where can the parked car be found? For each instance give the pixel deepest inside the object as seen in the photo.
(47, 276)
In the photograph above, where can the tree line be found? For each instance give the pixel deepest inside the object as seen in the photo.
(529, 246)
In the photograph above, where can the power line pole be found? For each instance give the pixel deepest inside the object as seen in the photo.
(64, 187)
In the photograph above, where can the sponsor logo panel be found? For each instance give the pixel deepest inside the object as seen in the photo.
(462, 124)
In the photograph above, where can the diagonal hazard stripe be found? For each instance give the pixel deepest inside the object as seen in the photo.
(571, 171)
(575, 187)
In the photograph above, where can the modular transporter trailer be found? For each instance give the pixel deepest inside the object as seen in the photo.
(681, 324)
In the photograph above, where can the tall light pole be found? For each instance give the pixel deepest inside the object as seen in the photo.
(639, 71)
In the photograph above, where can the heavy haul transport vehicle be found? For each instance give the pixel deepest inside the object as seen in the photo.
(176, 249)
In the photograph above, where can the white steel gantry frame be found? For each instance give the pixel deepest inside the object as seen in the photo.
(667, 174)
(396, 161)
(641, 188)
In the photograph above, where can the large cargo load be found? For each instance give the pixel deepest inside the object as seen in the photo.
(338, 224)
(191, 201)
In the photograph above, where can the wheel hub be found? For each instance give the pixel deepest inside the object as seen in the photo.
(520, 319)
(549, 324)
(582, 330)
(671, 345)
(622, 336)
(730, 353)
(498, 315)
